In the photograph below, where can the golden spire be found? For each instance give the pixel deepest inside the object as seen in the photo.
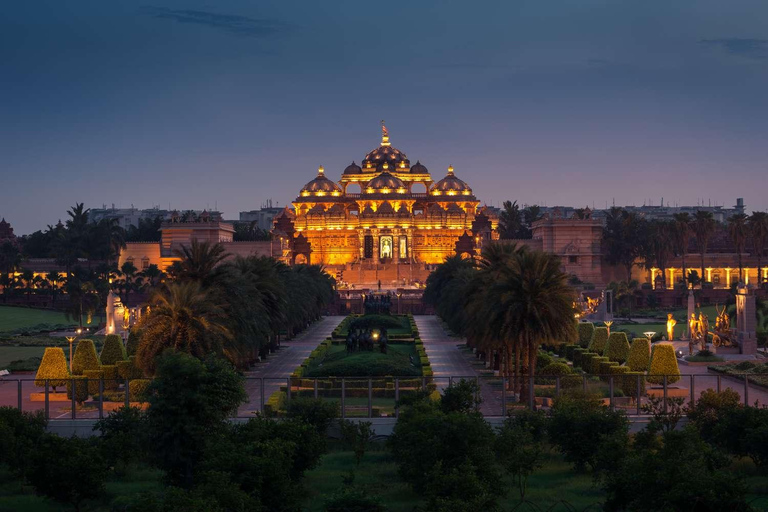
(384, 134)
(320, 171)
(450, 170)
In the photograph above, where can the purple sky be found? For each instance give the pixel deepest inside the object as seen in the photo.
(234, 102)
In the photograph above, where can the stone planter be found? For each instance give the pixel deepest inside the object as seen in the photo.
(672, 392)
(52, 397)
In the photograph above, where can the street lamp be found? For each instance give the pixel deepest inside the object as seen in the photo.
(649, 335)
(71, 339)
(608, 324)
(399, 294)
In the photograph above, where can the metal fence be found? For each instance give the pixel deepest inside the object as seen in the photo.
(371, 397)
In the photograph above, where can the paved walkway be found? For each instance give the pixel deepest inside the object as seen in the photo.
(280, 365)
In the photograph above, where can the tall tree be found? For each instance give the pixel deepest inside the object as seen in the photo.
(199, 259)
(704, 226)
(624, 238)
(682, 233)
(758, 229)
(738, 231)
(510, 220)
(659, 246)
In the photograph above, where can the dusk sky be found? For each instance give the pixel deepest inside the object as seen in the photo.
(230, 103)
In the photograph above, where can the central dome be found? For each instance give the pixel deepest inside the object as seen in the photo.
(384, 181)
(321, 184)
(450, 185)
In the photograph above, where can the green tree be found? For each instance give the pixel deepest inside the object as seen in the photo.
(510, 220)
(659, 246)
(190, 402)
(704, 227)
(624, 239)
(520, 449)
(199, 259)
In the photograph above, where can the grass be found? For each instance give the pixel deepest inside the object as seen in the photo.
(9, 354)
(704, 359)
(12, 318)
(26, 347)
(403, 320)
(338, 363)
(377, 474)
(136, 480)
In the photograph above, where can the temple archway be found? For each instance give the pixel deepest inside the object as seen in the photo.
(418, 187)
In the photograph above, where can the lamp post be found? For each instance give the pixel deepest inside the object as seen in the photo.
(608, 324)
(649, 335)
(71, 340)
(399, 294)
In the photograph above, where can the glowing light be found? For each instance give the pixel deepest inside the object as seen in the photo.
(320, 170)
(304, 193)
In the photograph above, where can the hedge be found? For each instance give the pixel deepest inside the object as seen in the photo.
(137, 389)
(113, 350)
(604, 369)
(586, 331)
(53, 367)
(617, 348)
(132, 345)
(128, 369)
(578, 354)
(81, 388)
(109, 371)
(571, 381)
(85, 357)
(93, 376)
(275, 402)
(629, 384)
(569, 351)
(663, 362)
(555, 369)
(543, 359)
(595, 366)
(639, 359)
(599, 340)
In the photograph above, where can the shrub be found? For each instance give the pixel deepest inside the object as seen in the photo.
(599, 340)
(123, 436)
(595, 364)
(109, 371)
(20, 435)
(744, 366)
(134, 337)
(555, 369)
(604, 369)
(315, 412)
(629, 383)
(571, 381)
(586, 332)
(663, 362)
(578, 354)
(53, 368)
(569, 351)
(542, 360)
(93, 376)
(128, 369)
(81, 388)
(137, 390)
(85, 357)
(113, 350)
(639, 359)
(617, 348)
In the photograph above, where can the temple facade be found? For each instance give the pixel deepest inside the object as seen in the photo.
(385, 221)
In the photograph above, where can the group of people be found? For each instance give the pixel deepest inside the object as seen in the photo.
(378, 304)
(366, 339)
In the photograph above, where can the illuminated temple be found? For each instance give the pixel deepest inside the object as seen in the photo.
(385, 221)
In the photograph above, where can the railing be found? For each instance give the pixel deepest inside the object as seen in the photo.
(370, 397)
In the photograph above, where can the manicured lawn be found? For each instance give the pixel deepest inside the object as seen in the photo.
(338, 363)
(8, 354)
(12, 318)
(403, 320)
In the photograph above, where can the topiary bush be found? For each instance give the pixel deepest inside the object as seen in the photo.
(81, 388)
(569, 351)
(109, 371)
(639, 359)
(85, 357)
(571, 381)
(137, 390)
(543, 360)
(53, 367)
(93, 376)
(594, 367)
(128, 369)
(578, 354)
(113, 350)
(599, 340)
(586, 331)
(629, 383)
(663, 362)
(134, 337)
(555, 369)
(604, 369)
(617, 348)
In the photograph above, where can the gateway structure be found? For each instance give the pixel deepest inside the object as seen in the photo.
(384, 222)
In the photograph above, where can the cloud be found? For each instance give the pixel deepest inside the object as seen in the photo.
(749, 48)
(239, 25)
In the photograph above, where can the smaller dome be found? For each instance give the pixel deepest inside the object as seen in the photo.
(419, 168)
(450, 184)
(353, 168)
(385, 181)
(321, 183)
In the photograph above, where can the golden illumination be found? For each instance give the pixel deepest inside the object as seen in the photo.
(671, 322)
(320, 170)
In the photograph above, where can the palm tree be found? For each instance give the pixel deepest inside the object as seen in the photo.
(152, 274)
(184, 317)
(28, 277)
(758, 228)
(737, 229)
(682, 237)
(704, 226)
(531, 303)
(199, 259)
(659, 246)
(54, 279)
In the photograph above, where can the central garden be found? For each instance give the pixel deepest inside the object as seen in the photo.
(367, 364)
